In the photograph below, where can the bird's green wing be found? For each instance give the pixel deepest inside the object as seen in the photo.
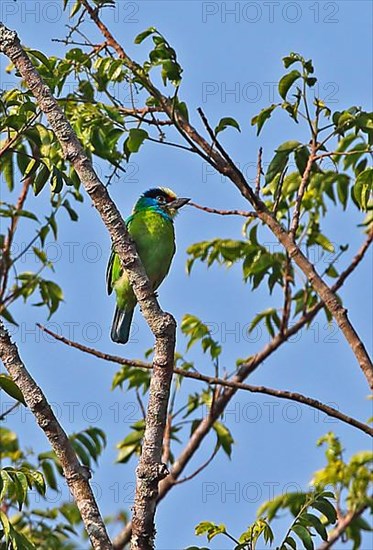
(114, 269)
(109, 272)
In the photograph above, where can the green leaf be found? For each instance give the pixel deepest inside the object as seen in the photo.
(40, 57)
(135, 140)
(326, 508)
(286, 82)
(141, 37)
(36, 478)
(73, 215)
(344, 144)
(280, 160)
(26, 214)
(7, 315)
(6, 525)
(41, 179)
(210, 529)
(363, 188)
(171, 70)
(332, 272)
(304, 536)
(6, 482)
(291, 542)
(324, 242)
(224, 436)
(224, 123)
(292, 58)
(56, 181)
(74, 10)
(289, 146)
(343, 182)
(21, 488)
(315, 522)
(40, 254)
(11, 388)
(277, 165)
(82, 453)
(31, 168)
(49, 474)
(7, 168)
(264, 115)
(301, 155)
(84, 440)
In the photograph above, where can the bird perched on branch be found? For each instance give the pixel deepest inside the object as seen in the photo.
(151, 227)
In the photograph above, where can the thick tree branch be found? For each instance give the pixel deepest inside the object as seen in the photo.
(342, 525)
(221, 161)
(75, 474)
(163, 326)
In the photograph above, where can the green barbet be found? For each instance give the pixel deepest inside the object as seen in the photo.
(151, 227)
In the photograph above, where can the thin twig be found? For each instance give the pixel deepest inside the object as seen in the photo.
(9, 411)
(243, 213)
(214, 140)
(301, 191)
(215, 381)
(141, 404)
(170, 143)
(167, 440)
(141, 113)
(259, 172)
(6, 261)
(342, 153)
(287, 295)
(8, 144)
(200, 469)
(278, 191)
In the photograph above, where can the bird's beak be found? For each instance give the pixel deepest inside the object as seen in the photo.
(178, 203)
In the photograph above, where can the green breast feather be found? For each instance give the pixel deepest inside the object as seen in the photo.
(155, 242)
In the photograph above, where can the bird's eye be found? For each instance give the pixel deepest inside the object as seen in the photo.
(161, 199)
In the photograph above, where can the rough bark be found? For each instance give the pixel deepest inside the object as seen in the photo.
(163, 326)
(75, 474)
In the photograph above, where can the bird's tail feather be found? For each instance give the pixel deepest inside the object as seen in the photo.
(120, 329)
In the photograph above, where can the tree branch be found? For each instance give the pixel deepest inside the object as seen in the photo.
(6, 255)
(301, 191)
(243, 213)
(259, 172)
(216, 381)
(221, 161)
(163, 325)
(200, 469)
(75, 474)
(343, 524)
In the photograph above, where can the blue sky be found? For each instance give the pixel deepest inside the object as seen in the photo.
(231, 54)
